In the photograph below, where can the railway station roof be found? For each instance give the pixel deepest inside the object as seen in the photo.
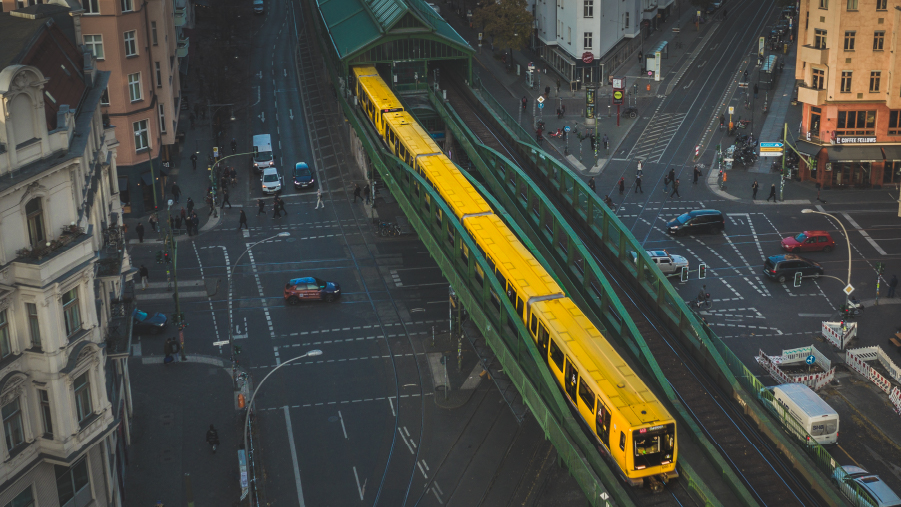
(356, 25)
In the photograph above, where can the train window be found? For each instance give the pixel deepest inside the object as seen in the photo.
(438, 216)
(464, 250)
(543, 339)
(587, 395)
(450, 232)
(415, 187)
(602, 423)
(519, 305)
(622, 440)
(480, 275)
(511, 295)
(495, 301)
(556, 355)
(500, 278)
(533, 325)
(493, 269)
(427, 201)
(570, 379)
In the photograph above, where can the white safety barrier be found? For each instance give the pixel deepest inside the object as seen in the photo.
(857, 360)
(832, 332)
(799, 355)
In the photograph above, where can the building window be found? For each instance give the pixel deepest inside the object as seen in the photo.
(849, 41)
(71, 480)
(819, 79)
(894, 123)
(104, 97)
(83, 407)
(23, 499)
(878, 41)
(588, 9)
(162, 118)
(5, 345)
(587, 40)
(34, 325)
(131, 46)
(159, 75)
(875, 77)
(129, 5)
(71, 312)
(819, 38)
(142, 140)
(153, 32)
(12, 424)
(627, 21)
(134, 87)
(95, 44)
(824, 4)
(569, 35)
(34, 212)
(846, 81)
(46, 418)
(852, 5)
(853, 123)
(881, 5)
(91, 6)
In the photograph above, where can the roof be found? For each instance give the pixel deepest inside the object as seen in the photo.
(806, 400)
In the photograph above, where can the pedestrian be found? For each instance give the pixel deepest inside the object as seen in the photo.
(697, 174)
(547, 92)
(140, 230)
(319, 199)
(672, 175)
(145, 276)
(176, 192)
(755, 91)
(153, 221)
(675, 188)
(242, 221)
(772, 193)
(195, 223)
(176, 222)
(276, 211)
(233, 174)
(234, 146)
(225, 200)
(190, 204)
(891, 286)
(622, 185)
(357, 192)
(172, 221)
(183, 214)
(262, 204)
(606, 143)
(640, 56)
(281, 205)
(366, 193)
(638, 183)
(558, 86)
(194, 161)
(209, 202)
(591, 184)
(524, 102)
(754, 188)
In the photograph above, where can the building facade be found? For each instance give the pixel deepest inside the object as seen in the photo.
(850, 90)
(64, 397)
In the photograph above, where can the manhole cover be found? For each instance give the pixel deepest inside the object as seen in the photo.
(333, 418)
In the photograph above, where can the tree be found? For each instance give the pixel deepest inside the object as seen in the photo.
(508, 22)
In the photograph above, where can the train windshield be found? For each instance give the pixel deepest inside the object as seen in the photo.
(654, 446)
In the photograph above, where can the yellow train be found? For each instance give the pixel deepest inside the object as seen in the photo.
(632, 427)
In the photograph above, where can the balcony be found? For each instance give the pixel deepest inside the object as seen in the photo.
(181, 49)
(181, 16)
(811, 96)
(813, 55)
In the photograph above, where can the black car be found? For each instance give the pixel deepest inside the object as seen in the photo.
(145, 322)
(784, 267)
(303, 176)
(697, 221)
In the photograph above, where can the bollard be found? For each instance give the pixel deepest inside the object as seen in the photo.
(697, 151)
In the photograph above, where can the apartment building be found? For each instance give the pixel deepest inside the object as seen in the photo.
(65, 318)
(576, 37)
(850, 88)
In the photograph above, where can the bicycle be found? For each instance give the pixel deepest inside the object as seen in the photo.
(388, 229)
(703, 299)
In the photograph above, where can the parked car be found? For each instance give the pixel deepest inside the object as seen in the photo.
(784, 267)
(697, 221)
(669, 264)
(147, 323)
(873, 490)
(809, 241)
(303, 176)
(311, 289)
(272, 180)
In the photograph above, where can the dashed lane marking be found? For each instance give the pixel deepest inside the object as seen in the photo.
(347, 402)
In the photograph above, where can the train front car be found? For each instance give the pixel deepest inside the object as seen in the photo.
(633, 428)
(374, 96)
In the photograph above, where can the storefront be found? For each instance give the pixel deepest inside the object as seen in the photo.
(848, 165)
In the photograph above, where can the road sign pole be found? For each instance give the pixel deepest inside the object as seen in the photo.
(782, 175)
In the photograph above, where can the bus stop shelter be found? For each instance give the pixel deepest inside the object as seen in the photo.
(768, 71)
(653, 65)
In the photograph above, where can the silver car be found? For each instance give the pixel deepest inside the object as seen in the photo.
(272, 180)
(870, 488)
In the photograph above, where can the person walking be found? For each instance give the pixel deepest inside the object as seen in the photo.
(281, 205)
(697, 174)
(233, 174)
(524, 102)
(145, 276)
(675, 188)
(194, 161)
(591, 184)
(672, 175)
(892, 284)
(225, 199)
(242, 221)
(262, 204)
(357, 192)
(606, 143)
(366, 193)
(167, 348)
(622, 185)
(754, 188)
(140, 230)
(638, 183)
(176, 192)
(772, 193)
(190, 205)
(195, 222)
(666, 183)
(153, 221)
(319, 202)
(755, 91)
(276, 211)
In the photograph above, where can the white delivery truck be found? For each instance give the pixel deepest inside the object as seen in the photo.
(262, 153)
(806, 406)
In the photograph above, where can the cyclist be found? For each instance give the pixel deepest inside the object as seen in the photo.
(212, 437)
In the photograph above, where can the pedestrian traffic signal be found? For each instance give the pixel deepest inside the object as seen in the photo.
(798, 279)
(684, 274)
(167, 258)
(702, 271)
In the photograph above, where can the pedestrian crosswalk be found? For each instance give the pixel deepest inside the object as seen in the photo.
(187, 289)
(656, 137)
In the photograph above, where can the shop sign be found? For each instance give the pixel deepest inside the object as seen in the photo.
(587, 57)
(854, 140)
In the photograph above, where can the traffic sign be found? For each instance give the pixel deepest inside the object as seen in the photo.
(540, 99)
(771, 145)
(848, 290)
(770, 153)
(617, 96)
(540, 105)
(810, 360)
(566, 128)
(731, 110)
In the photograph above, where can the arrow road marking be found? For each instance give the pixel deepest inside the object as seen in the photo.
(263, 117)
(689, 84)
(359, 489)
(291, 114)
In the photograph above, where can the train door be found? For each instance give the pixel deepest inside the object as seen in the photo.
(570, 380)
(539, 333)
(602, 423)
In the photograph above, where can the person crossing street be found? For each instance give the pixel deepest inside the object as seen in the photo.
(675, 188)
(262, 205)
(225, 200)
(772, 193)
(638, 184)
(319, 202)
(145, 276)
(754, 187)
(242, 221)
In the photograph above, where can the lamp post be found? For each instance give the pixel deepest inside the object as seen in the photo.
(215, 139)
(231, 326)
(315, 352)
(847, 240)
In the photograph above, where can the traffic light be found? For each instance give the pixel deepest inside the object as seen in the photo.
(798, 279)
(684, 274)
(702, 271)
(167, 258)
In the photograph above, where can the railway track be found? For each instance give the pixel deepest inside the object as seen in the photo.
(763, 470)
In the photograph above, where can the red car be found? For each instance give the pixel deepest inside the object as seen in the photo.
(809, 241)
(311, 289)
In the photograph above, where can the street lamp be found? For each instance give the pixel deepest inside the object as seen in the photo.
(231, 326)
(847, 240)
(314, 352)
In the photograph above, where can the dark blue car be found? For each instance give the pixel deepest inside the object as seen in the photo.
(147, 323)
(303, 176)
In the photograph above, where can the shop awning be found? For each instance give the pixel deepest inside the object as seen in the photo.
(854, 153)
(892, 153)
(809, 149)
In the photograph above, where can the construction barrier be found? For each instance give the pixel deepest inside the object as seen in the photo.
(799, 355)
(857, 360)
(895, 398)
(833, 333)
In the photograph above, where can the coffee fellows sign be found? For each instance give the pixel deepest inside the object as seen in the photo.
(854, 140)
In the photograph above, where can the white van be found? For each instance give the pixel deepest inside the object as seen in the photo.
(262, 153)
(806, 406)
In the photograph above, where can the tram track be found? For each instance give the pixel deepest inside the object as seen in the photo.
(761, 468)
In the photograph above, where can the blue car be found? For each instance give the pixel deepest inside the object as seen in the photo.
(145, 322)
(303, 176)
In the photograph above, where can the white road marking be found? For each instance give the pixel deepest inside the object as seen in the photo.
(863, 233)
(390, 402)
(406, 442)
(294, 457)
(341, 418)
(359, 489)
(419, 463)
